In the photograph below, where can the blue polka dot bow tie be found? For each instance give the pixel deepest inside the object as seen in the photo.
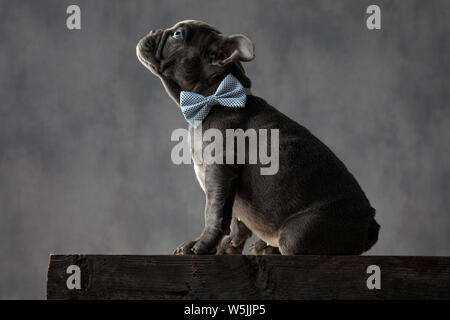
(195, 107)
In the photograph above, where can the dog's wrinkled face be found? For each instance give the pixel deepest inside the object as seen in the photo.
(193, 56)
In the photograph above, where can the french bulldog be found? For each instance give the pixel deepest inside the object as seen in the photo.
(312, 205)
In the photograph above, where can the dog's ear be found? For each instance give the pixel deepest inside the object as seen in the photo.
(227, 49)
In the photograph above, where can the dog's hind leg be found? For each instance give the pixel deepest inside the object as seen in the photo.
(235, 241)
(323, 233)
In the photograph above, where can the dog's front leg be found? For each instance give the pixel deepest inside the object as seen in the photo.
(220, 184)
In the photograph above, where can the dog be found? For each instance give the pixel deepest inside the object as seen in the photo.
(312, 205)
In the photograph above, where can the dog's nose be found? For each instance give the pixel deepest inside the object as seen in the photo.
(154, 32)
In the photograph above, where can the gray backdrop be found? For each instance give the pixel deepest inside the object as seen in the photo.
(85, 129)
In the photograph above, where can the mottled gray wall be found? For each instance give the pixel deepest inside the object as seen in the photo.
(85, 130)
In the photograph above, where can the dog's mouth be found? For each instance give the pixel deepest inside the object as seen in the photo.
(148, 48)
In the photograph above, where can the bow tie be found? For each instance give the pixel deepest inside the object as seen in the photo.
(195, 107)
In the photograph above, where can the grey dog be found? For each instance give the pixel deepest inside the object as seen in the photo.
(312, 205)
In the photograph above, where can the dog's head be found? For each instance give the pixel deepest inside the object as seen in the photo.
(193, 56)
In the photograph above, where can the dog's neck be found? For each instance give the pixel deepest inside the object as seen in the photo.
(207, 88)
(210, 87)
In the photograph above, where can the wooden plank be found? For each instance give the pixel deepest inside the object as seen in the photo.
(248, 277)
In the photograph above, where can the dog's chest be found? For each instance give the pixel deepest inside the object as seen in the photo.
(199, 166)
(200, 174)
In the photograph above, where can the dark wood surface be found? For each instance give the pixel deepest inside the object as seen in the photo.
(248, 277)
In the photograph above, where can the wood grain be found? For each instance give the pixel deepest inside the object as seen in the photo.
(248, 277)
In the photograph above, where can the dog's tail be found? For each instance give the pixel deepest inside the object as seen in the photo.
(372, 235)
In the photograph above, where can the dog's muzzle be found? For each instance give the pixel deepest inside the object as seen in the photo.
(147, 48)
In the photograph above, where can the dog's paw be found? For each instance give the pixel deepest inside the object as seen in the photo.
(260, 247)
(185, 248)
(227, 246)
(193, 247)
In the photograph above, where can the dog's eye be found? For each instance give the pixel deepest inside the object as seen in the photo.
(178, 34)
